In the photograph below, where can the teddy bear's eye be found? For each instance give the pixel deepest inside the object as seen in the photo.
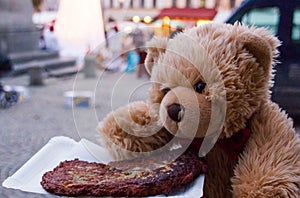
(165, 90)
(199, 87)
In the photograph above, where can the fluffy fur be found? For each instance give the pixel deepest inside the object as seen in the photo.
(235, 61)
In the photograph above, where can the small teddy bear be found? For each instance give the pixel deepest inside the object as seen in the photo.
(211, 84)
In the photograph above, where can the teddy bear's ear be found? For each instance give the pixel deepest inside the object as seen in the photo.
(156, 47)
(262, 47)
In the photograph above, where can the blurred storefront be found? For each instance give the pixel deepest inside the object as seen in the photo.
(172, 19)
(148, 9)
(154, 17)
(141, 10)
(168, 15)
(126, 9)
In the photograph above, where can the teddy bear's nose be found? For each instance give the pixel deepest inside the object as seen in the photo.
(175, 112)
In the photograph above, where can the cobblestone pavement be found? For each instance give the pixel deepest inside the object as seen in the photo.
(28, 126)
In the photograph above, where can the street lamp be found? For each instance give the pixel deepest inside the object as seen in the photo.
(136, 19)
(147, 19)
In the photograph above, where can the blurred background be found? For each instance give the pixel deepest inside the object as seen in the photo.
(67, 36)
(58, 34)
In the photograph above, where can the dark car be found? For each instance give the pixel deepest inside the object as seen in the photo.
(283, 19)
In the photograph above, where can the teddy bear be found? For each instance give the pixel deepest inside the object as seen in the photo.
(212, 83)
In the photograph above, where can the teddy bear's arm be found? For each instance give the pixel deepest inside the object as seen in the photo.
(132, 129)
(270, 164)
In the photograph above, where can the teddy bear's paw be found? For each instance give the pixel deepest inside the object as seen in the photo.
(134, 128)
(137, 119)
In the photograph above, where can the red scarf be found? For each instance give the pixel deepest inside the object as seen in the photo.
(233, 146)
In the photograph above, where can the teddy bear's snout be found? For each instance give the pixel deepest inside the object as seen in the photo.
(175, 112)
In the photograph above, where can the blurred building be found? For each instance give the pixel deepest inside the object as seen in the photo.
(127, 9)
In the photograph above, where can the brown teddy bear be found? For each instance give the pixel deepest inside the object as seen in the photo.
(211, 84)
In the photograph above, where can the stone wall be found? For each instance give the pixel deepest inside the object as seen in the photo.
(17, 32)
